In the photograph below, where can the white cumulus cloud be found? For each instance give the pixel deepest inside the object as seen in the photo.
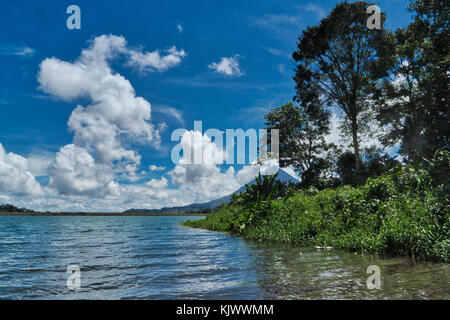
(206, 180)
(154, 61)
(157, 183)
(116, 117)
(115, 114)
(227, 66)
(75, 172)
(15, 177)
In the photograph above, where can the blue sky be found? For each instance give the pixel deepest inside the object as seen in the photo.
(234, 64)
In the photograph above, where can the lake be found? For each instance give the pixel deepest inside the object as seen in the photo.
(143, 257)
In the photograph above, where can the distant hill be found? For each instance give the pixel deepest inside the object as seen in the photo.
(207, 207)
(11, 208)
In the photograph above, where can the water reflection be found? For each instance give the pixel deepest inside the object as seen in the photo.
(289, 272)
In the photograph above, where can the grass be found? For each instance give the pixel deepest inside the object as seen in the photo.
(405, 212)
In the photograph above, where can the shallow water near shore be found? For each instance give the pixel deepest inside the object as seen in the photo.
(143, 257)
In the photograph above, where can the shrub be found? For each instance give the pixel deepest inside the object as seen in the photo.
(405, 212)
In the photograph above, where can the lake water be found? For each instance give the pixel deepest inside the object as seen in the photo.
(156, 258)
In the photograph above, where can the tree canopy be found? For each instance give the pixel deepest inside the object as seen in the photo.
(338, 65)
(414, 101)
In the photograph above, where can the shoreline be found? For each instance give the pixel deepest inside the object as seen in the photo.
(99, 214)
(394, 214)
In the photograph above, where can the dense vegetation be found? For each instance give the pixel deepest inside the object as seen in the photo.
(363, 199)
(404, 212)
(390, 85)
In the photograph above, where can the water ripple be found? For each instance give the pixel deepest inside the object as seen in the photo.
(156, 258)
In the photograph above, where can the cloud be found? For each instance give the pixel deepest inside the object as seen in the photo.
(194, 143)
(175, 113)
(115, 120)
(278, 52)
(15, 178)
(157, 183)
(38, 164)
(206, 180)
(75, 172)
(248, 173)
(156, 168)
(107, 128)
(116, 114)
(12, 50)
(153, 61)
(227, 66)
(180, 28)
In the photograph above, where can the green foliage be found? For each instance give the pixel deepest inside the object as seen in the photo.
(404, 212)
(256, 201)
(290, 123)
(439, 169)
(264, 188)
(373, 164)
(301, 138)
(382, 207)
(339, 63)
(414, 100)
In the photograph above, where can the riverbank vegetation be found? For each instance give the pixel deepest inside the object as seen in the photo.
(403, 212)
(389, 85)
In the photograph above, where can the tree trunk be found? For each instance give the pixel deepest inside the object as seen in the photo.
(355, 143)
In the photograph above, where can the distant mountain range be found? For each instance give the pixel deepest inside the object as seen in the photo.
(283, 176)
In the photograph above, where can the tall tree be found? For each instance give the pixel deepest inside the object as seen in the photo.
(415, 98)
(336, 66)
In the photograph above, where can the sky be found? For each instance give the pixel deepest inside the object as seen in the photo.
(86, 115)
